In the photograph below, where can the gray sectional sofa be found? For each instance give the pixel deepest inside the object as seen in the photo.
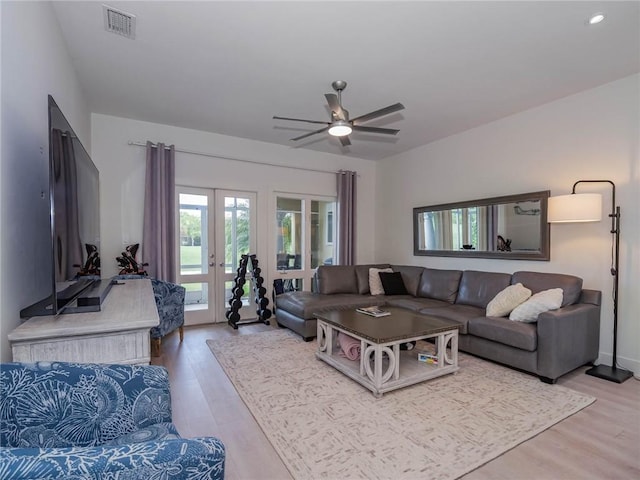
(560, 341)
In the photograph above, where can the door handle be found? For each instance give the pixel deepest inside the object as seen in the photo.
(221, 264)
(212, 264)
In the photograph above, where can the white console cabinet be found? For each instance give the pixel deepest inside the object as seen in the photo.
(118, 333)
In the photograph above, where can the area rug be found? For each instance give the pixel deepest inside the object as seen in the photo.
(324, 425)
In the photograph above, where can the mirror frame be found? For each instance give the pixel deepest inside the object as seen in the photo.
(542, 255)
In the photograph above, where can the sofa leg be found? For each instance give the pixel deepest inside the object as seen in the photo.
(181, 330)
(308, 339)
(155, 347)
(548, 380)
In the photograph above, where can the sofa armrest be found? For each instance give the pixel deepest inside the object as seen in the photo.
(177, 459)
(567, 339)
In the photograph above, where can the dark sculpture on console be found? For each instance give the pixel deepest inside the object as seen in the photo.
(128, 263)
(92, 264)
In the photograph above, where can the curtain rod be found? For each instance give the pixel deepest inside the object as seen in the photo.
(212, 155)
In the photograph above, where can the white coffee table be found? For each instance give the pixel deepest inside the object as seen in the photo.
(383, 367)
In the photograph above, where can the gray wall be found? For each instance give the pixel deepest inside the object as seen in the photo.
(35, 63)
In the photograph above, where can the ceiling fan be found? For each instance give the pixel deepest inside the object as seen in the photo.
(340, 126)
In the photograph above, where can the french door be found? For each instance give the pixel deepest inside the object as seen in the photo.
(215, 228)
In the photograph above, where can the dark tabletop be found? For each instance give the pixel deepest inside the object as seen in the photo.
(399, 325)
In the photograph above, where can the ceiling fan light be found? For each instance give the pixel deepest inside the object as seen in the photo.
(340, 128)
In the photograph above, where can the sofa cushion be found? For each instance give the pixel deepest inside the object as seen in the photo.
(536, 282)
(411, 276)
(502, 330)
(304, 304)
(506, 300)
(439, 284)
(362, 276)
(375, 284)
(416, 303)
(478, 288)
(459, 313)
(540, 302)
(337, 279)
(392, 283)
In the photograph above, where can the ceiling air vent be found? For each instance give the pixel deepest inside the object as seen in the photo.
(119, 22)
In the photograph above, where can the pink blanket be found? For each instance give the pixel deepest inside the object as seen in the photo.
(350, 346)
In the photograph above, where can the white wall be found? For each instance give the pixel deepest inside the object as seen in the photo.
(590, 135)
(122, 169)
(35, 63)
(593, 134)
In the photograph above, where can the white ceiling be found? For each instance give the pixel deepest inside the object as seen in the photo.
(228, 67)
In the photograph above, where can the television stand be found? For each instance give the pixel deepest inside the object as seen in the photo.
(118, 333)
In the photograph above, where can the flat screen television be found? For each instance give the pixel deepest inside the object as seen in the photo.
(74, 195)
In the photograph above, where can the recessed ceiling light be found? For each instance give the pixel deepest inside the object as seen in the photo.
(596, 18)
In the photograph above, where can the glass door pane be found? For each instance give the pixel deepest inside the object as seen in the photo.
(322, 231)
(195, 254)
(193, 234)
(289, 231)
(236, 237)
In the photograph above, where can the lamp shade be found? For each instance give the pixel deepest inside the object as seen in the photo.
(577, 207)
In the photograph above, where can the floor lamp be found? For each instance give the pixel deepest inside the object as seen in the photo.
(587, 207)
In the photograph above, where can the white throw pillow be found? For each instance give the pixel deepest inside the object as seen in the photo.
(538, 303)
(508, 299)
(375, 284)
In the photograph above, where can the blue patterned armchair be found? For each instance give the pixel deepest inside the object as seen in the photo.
(170, 303)
(83, 421)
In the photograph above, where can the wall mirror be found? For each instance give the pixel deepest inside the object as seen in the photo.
(510, 227)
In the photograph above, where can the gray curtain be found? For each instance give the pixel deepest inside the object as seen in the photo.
(158, 234)
(346, 218)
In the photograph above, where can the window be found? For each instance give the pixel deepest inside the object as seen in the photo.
(236, 226)
(330, 227)
(193, 234)
(304, 237)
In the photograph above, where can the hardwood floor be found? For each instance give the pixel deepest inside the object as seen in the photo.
(599, 442)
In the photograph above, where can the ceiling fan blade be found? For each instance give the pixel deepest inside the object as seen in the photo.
(334, 105)
(309, 134)
(300, 120)
(362, 128)
(378, 113)
(345, 140)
